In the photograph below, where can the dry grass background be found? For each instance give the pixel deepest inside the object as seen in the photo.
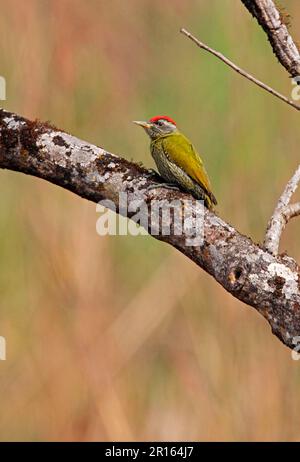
(122, 338)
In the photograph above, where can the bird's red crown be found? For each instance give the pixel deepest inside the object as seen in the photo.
(154, 119)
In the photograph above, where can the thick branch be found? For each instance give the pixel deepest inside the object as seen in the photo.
(267, 283)
(282, 214)
(270, 19)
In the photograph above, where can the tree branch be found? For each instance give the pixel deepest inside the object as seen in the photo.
(239, 70)
(270, 19)
(282, 214)
(268, 283)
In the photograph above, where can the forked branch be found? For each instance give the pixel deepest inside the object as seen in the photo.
(282, 214)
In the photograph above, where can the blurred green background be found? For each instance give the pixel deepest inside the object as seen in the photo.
(123, 338)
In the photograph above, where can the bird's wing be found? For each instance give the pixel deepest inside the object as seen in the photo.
(180, 151)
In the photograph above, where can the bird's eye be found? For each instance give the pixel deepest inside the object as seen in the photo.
(160, 123)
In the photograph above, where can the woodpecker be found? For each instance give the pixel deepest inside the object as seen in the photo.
(177, 160)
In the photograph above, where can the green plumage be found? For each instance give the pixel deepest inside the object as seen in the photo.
(179, 163)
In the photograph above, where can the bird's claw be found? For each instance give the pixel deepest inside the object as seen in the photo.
(152, 171)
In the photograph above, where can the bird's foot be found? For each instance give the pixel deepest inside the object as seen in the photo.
(154, 175)
(152, 171)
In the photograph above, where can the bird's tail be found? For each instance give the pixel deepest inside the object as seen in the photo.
(207, 196)
(210, 201)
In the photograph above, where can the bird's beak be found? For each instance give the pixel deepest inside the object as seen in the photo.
(145, 125)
